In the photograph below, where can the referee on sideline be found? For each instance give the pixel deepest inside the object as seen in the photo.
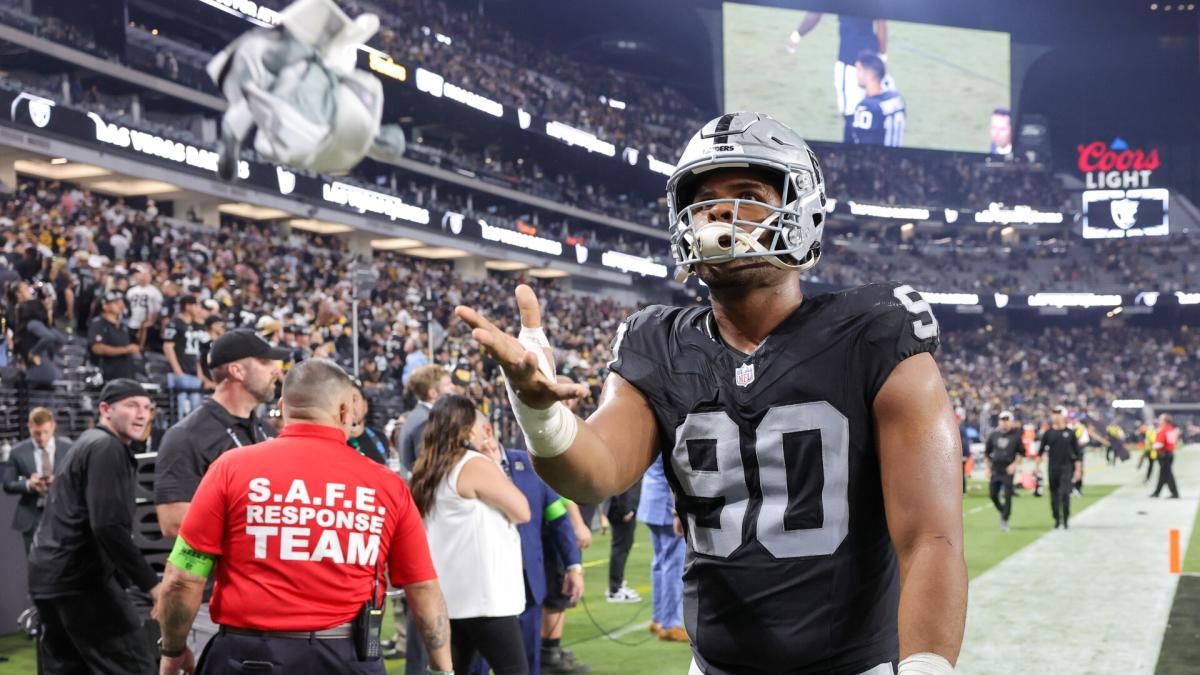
(301, 530)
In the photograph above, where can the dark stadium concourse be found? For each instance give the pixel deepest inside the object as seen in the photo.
(809, 284)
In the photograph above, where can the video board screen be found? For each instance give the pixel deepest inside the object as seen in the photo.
(868, 80)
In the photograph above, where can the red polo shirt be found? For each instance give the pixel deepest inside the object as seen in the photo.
(1168, 437)
(300, 522)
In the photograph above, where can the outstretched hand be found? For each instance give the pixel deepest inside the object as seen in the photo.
(535, 388)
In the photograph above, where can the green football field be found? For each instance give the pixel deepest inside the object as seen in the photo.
(614, 638)
(951, 78)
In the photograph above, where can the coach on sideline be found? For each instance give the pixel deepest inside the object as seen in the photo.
(300, 529)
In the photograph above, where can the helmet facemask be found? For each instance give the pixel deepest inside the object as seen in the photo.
(788, 237)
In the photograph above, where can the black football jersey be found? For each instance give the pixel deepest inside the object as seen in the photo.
(772, 460)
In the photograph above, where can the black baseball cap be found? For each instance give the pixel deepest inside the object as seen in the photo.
(113, 296)
(215, 318)
(121, 389)
(243, 343)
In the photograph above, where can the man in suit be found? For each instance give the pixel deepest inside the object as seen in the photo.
(33, 461)
(428, 383)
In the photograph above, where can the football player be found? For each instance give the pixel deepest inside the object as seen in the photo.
(856, 34)
(878, 118)
(809, 441)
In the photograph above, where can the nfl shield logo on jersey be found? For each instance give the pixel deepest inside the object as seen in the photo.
(744, 375)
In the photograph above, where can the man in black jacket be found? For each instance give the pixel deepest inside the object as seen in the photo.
(1002, 451)
(83, 553)
(33, 461)
(1066, 465)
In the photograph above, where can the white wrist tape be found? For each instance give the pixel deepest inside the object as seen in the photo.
(925, 663)
(550, 431)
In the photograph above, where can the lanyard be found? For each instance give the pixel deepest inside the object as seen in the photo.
(233, 437)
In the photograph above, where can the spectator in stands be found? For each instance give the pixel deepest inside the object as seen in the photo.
(33, 461)
(109, 342)
(471, 510)
(427, 384)
(181, 346)
(145, 303)
(36, 344)
(84, 544)
(214, 326)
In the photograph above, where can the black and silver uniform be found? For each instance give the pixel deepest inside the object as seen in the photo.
(772, 460)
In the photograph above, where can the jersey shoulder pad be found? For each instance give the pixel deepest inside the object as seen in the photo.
(646, 332)
(895, 323)
(644, 342)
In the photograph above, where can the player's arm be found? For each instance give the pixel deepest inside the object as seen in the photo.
(612, 449)
(881, 35)
(809, 22)
(920, 459)
(586, 461)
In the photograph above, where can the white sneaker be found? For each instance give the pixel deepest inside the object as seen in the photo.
(793, 41)
(623, 594)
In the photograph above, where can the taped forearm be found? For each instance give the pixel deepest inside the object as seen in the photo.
(549, 431)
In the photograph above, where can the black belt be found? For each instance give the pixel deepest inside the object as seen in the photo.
(336, 633)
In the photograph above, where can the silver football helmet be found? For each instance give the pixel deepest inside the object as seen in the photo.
(756, 141)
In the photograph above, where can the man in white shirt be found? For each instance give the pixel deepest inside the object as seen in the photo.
(145, 303)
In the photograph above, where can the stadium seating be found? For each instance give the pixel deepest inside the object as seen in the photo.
(253, 270)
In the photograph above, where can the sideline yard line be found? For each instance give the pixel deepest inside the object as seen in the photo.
(628, 630)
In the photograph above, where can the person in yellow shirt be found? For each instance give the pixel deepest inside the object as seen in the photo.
(1148, 434)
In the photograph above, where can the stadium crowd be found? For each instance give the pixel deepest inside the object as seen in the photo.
(536, 80)
(965, 264)
(69, 249)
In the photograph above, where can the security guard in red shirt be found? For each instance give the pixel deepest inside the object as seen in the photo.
(301, 530)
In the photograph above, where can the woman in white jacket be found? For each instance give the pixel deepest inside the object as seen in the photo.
(471, 510)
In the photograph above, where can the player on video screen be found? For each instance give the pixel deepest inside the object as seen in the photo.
(1001, 131)
(879, 118)
(856, 34)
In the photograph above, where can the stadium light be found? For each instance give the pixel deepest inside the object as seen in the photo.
(1073, 300)
(883, 211)
(633, 263)
(658, 166)
(934, 298)
(997, 214)
(519, 239)
(572, 136)
(1130, 403)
